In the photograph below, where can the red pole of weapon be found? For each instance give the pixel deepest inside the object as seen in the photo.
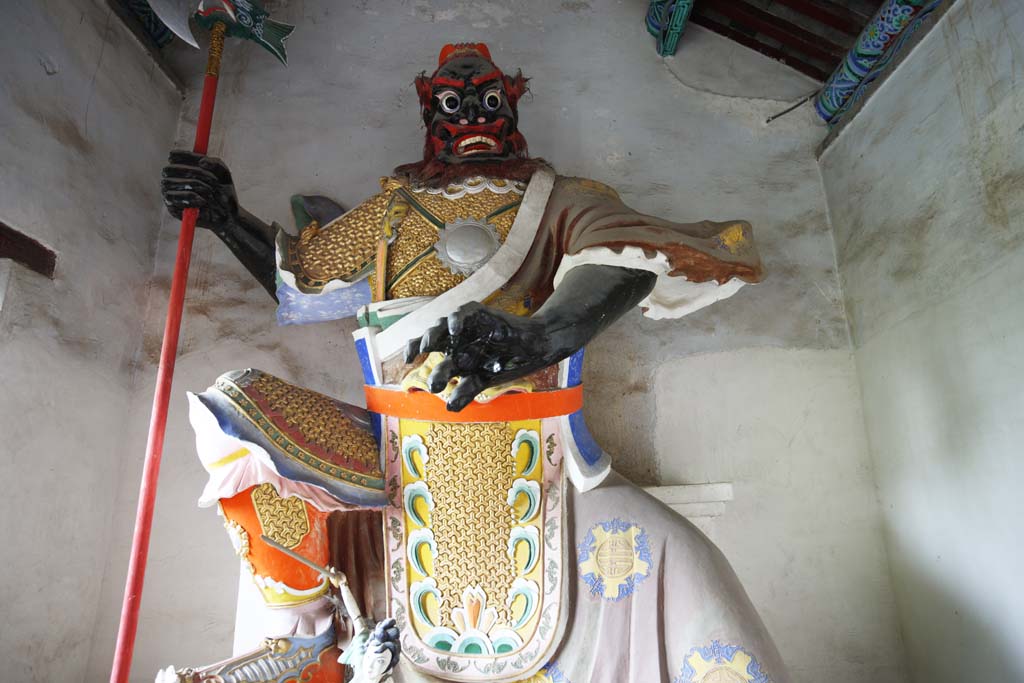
(165, 373)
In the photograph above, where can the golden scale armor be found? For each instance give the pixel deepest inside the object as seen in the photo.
(410, 223)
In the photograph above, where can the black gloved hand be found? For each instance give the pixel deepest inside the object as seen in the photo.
(196, 181)
(484, 347)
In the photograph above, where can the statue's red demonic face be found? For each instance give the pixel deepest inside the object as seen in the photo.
(469, 110)
(470, 113)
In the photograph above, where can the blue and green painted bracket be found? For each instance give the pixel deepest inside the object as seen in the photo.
(666, 20)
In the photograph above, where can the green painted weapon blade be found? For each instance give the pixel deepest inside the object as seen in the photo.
(246, 19)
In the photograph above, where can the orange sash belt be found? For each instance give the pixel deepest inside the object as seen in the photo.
(422, 405)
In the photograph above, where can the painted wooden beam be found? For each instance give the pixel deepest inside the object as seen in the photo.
(893, 26)
(30, 253)
(789, 34)
(754, 44)
(844, 7)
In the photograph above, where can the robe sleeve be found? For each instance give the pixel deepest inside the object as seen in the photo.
(696, 263)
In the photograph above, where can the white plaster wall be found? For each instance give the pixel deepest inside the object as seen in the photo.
(84, 122)
(803, 529)
(604, 106)
(926, 192)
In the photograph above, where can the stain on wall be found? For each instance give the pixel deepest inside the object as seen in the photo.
(927, 202)
(950, 162)
(84, 115)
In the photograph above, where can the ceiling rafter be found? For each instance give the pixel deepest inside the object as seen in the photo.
(803, 67)
(812, 36)
(830, 14)
(787, 33)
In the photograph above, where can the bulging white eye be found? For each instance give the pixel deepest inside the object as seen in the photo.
(492, 100)
(449, 101)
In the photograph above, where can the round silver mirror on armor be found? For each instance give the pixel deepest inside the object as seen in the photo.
(466, 244)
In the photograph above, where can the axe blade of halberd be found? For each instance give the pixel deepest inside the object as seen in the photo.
(175, 15)
(244, 19)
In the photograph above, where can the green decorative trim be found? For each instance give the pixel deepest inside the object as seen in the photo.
(420, 209)
(299, 213)
(410, 265)
(303, 282)
(416, 260)
(502, 209)
(374, 319)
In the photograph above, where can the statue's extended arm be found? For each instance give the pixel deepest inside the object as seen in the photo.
(486, 346)
(196, 181)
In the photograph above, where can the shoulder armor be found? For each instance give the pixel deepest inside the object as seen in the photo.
(310, 437)
(342, 249)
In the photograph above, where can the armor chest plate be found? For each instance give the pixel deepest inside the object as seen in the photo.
(475, 544)
(465, 245)
(445, 235)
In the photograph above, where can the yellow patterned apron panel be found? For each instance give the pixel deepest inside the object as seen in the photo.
(475, 545)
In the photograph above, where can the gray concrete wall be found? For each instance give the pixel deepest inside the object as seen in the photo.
(751, 391)
(926, 192)
(84, 123)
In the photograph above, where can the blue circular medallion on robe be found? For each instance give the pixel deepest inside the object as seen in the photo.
(614, 558)
(720, 663)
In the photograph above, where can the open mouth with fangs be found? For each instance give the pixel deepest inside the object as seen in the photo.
(475, 144)
(467, 140)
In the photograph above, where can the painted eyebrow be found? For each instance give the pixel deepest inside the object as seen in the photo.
(493, 76)
(448, 82)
